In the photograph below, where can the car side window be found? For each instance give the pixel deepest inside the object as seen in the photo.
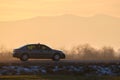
(31, 47)
(38, 47)
(43, 47)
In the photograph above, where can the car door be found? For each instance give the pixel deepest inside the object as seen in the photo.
(34, 51)
(46, 52)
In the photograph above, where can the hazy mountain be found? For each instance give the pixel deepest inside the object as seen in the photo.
(98, 30)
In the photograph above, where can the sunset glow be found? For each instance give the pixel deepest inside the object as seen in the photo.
(22, 9)
(60, 23)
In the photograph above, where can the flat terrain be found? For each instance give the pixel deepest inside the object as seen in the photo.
(61, 62)
(58, 77)
(51, 70)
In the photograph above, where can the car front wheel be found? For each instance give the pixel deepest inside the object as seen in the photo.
(24, 57)
(56, 57)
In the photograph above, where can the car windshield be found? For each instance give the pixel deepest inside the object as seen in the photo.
(22, 47)
(25, 47)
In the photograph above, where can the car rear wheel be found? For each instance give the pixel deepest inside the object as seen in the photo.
(56, 57)
(24, 57)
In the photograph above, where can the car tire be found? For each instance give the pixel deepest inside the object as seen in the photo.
(56, 57)
(24, 57)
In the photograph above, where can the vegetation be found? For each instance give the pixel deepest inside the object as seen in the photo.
(87, 52)
(81, 52)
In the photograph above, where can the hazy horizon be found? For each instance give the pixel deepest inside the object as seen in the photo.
(70, 15)
(62, 31)
(60, 23)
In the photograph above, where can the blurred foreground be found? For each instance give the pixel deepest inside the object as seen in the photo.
(61, 68)
(58, 77)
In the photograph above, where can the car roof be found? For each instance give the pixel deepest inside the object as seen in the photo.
(36, 44)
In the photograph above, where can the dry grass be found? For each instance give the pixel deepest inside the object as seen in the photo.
(86, 52)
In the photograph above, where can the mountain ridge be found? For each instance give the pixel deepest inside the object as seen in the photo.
(65, 16)
(62, 30)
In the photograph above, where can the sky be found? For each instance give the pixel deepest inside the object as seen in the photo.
(23, 9)
(15, 10)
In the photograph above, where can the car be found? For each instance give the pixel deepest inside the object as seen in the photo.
(37, 51)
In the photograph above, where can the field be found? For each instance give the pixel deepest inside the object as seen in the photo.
(81, 63)
(58, 77)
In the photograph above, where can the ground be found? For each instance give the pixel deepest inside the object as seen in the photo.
(63, 70)
(58, 77)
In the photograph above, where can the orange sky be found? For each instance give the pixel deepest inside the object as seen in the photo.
(21, 9)
(14, 10)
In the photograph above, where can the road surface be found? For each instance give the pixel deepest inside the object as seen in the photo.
(61, 62)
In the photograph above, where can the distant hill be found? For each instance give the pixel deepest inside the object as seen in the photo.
(62, 30)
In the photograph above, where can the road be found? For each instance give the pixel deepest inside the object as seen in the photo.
(61, 62)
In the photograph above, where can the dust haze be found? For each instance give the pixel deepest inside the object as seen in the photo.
(80, 52)
(65, 31)
(59, 31)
